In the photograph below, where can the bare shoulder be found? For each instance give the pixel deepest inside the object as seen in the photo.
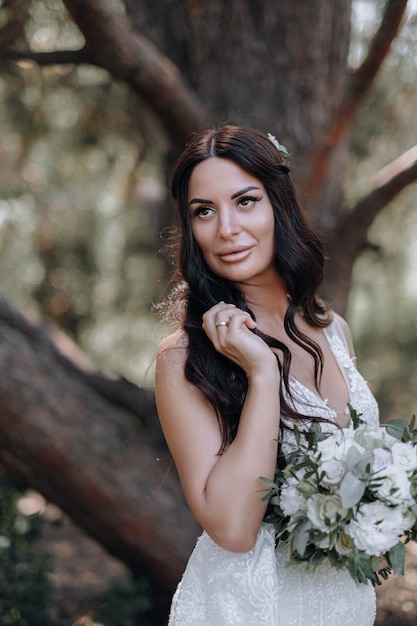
(173, 391)
(172, 351)
(343, 325)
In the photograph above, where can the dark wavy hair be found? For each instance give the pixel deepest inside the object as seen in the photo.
(298, 260)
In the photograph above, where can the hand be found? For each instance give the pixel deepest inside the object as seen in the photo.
(229, 329)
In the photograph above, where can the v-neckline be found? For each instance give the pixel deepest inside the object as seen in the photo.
(314, 394)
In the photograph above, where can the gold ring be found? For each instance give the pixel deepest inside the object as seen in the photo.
(221, 324)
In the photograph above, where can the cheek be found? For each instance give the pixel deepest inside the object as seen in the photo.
(202, 237)
(270, 240)
(266, 217)
(268, 229)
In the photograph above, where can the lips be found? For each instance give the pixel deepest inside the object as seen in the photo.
(235, 254)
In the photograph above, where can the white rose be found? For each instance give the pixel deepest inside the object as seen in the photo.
(333, 472)
(291, 500)
(344, 545)
(325, 511)
(376, 528)
(405, 456)
(336, 446)
(326, 449)
(382, 459)
(392, 485)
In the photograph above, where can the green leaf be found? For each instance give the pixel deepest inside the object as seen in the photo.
(396, 557)
(300, 537)
(352, 458)
(359, 463)
(355, 417)
(351, 490)
(399, 428)
(269, 482)
(297, 435)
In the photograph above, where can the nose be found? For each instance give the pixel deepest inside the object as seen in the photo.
(229, 225)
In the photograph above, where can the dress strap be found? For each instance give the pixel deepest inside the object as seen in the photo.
(335, 328)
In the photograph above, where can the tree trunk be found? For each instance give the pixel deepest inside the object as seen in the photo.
(93, 459)
(278, 66)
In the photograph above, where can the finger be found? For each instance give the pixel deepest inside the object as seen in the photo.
(218, 312)
(241, 318)
(224, 318)
(222, 324)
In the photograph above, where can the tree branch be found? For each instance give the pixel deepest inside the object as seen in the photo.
(90, 457)
(357, 88)
(350, 234)
(56, 57)
(393, 178)
(113, 45)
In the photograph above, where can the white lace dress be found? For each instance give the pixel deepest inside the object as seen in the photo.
(257, 588)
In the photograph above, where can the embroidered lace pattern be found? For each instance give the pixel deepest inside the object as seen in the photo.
(257, 588)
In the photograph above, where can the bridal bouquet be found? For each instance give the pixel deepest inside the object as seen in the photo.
(349, 497)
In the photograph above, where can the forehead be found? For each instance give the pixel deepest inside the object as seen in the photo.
(216, 176)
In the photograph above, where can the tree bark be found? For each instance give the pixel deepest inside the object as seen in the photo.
(92, 458)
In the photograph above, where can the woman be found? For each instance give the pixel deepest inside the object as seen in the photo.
(255, 351)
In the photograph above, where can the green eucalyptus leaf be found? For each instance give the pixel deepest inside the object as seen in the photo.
(300, 537)
(396, 557)
(398, 428)
(351, 490)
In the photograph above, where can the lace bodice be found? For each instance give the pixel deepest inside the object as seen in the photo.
(257, 588)
(308, 402)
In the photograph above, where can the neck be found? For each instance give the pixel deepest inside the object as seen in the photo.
(268, 300)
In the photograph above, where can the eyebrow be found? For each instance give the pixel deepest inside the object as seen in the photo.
(235, 195)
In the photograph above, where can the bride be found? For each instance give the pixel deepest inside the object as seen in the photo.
(254, 352)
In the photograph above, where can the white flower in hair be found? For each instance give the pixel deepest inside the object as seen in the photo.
(281, 149)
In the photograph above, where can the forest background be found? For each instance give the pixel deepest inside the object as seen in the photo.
(84, 213)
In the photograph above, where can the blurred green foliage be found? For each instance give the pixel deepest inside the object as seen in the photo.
(81, 187)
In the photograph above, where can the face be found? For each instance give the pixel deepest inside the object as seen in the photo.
(232, 221)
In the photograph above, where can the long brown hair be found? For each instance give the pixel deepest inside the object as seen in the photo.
(299, 260)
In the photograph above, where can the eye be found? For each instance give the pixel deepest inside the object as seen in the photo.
(247, 201)
(202, 212)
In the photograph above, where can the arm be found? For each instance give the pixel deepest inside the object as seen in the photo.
(223, 492)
